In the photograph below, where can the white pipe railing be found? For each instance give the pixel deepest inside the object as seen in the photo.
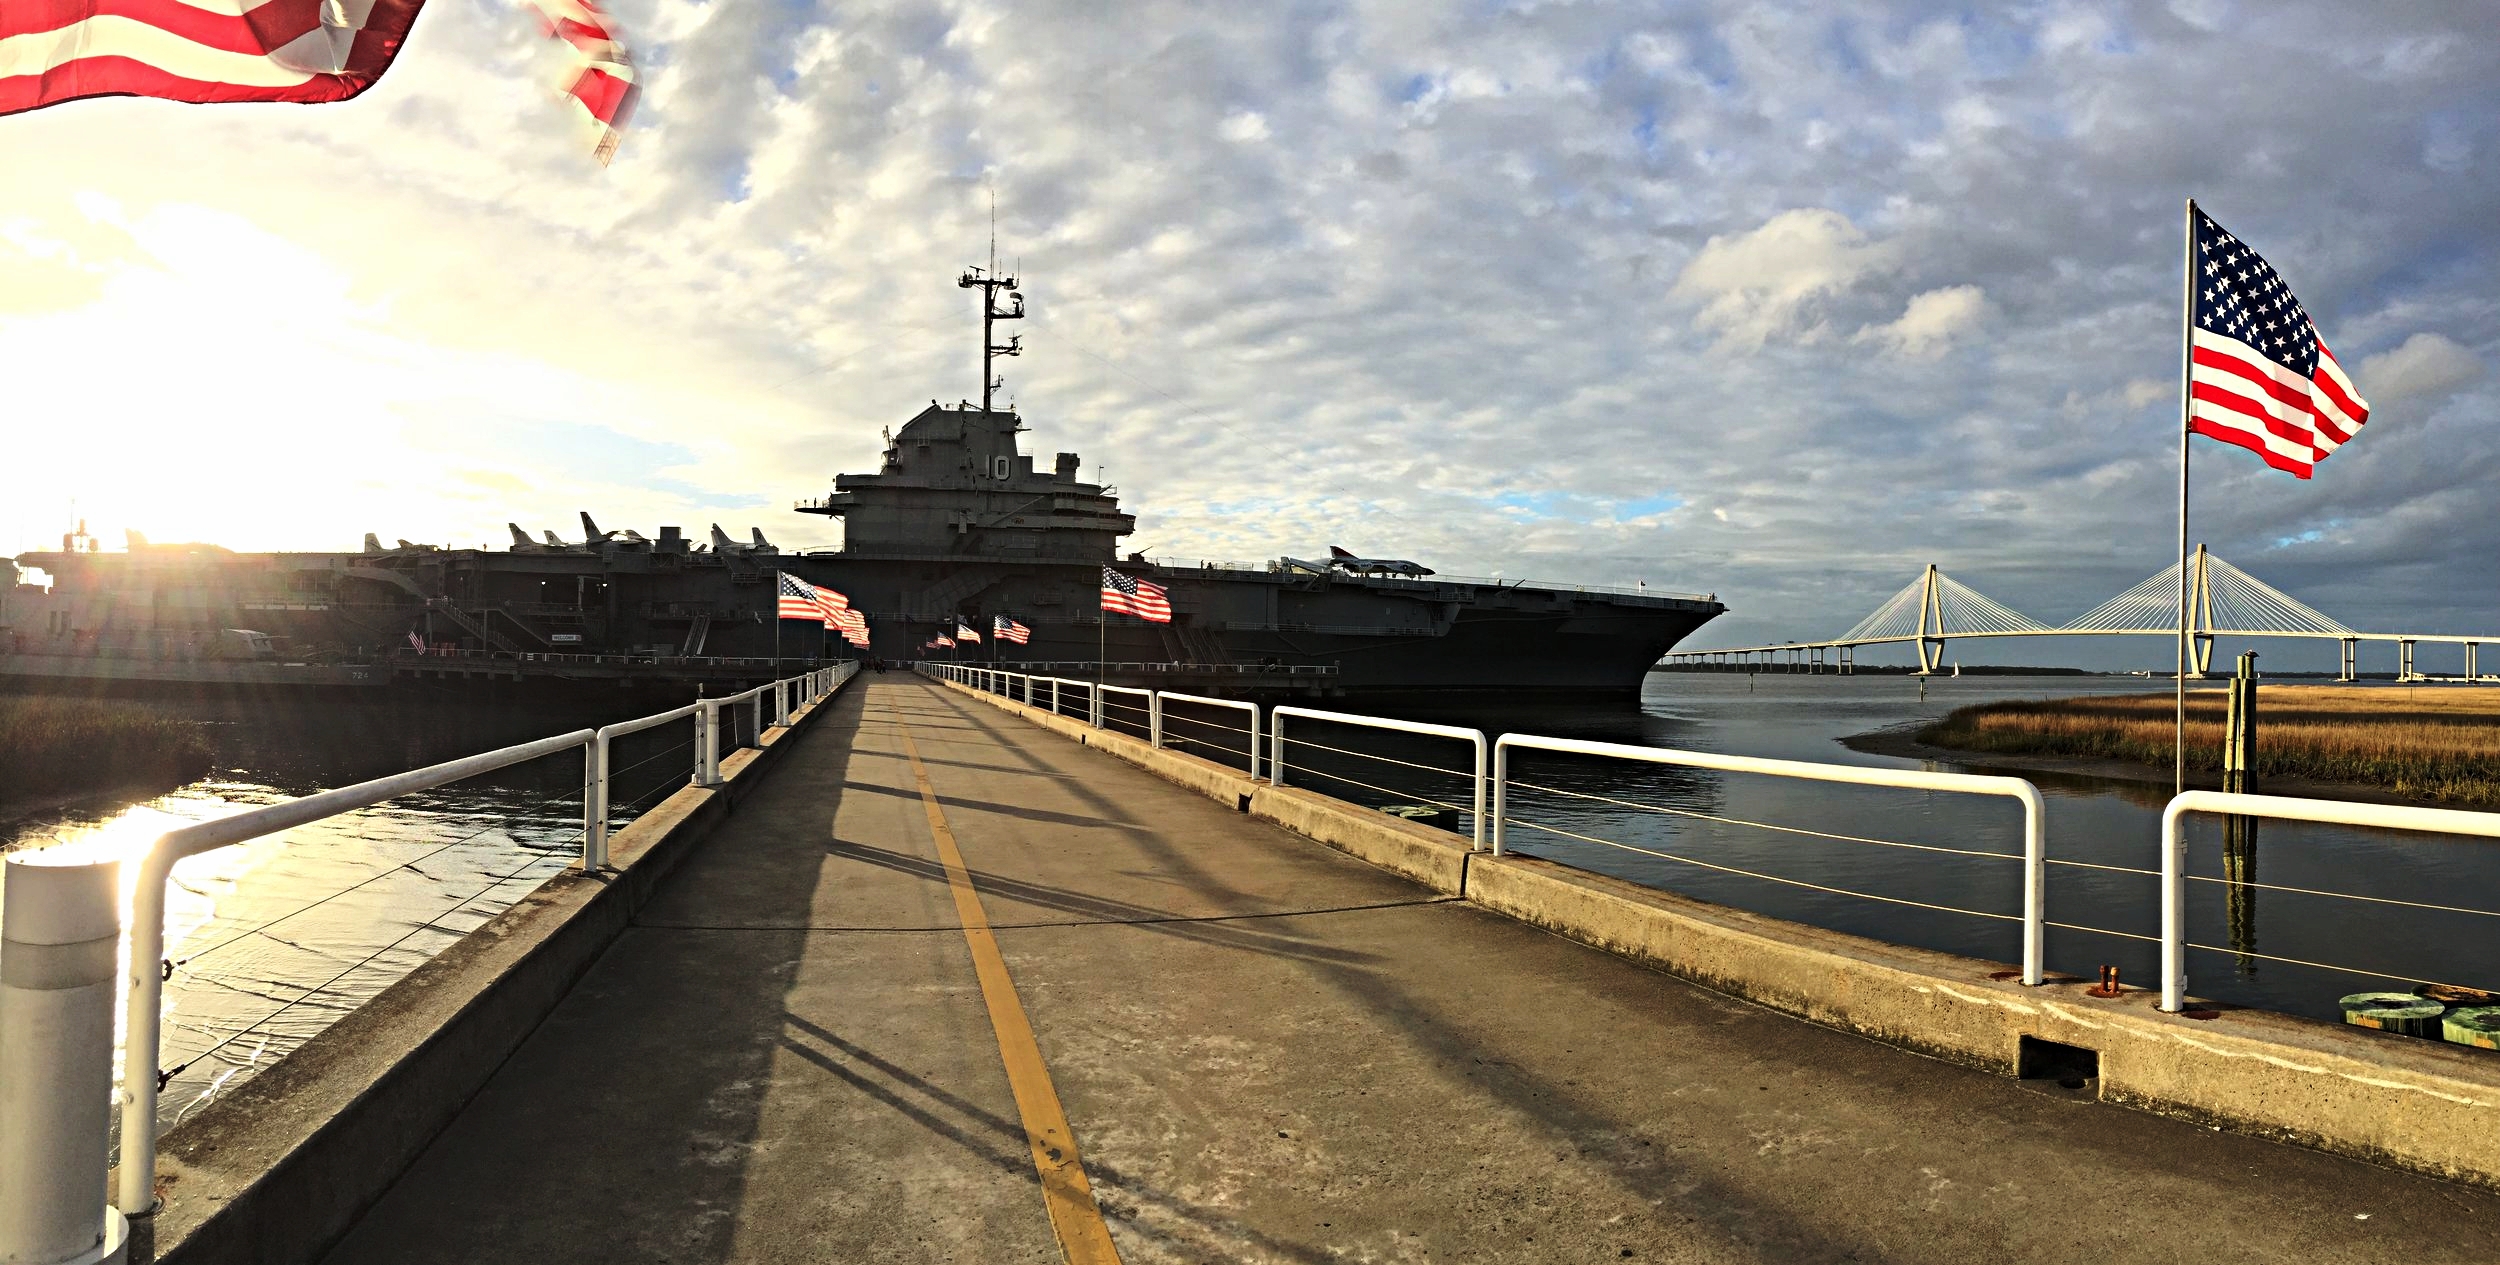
(2035, 847)
(2449, 821)
(1475, 737)
(1169, 696)
(595, 787)
(144, 1014)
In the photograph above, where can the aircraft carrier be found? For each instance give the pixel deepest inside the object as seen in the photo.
(957, 524)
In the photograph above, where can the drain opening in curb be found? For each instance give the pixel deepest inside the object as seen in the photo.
(2071, 1066)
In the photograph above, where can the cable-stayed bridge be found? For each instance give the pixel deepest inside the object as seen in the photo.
(2223, 601)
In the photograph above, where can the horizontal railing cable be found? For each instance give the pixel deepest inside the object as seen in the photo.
(2095, 865)
(1384, 759)
(2310, 891)
(2327, 966)
(1764, 825)
(1768, 878)
(1385, 790)
(2103, 931)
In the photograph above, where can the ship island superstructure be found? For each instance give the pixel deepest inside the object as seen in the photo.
(956, 524)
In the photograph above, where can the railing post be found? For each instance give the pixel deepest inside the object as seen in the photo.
(1501, 792)
(707, 744)
(595, 803)
(2174, 907)
(56, 1063)
(1476, 844)
(1054, 696)
(142, 1035)
(1154, 719)
(1254, 743)
(2035, 887)
(1275, 748)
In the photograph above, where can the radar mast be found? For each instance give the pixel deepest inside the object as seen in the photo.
(989, 282)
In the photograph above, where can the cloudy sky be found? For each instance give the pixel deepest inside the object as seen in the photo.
(1737, 298)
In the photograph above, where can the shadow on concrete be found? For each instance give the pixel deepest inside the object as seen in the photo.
(1095, 910)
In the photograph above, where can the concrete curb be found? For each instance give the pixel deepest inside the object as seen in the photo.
(275, 1172)
(2398, 1101)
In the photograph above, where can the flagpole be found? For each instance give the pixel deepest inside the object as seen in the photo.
(2187, 358)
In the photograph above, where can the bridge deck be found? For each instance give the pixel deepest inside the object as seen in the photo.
(1265, 1051)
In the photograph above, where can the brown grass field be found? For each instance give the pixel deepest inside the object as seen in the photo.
(2433, 743)
(57, 746)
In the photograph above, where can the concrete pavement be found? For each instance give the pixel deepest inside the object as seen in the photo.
(1262, 1050)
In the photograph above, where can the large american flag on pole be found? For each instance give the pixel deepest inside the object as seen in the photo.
(1135, 597)
(2258, 374)
(1006, 629)
(795, 598)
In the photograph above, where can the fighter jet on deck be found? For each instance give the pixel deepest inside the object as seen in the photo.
(591, 535)
(1352, 565)
(521, 542)
(721, 543)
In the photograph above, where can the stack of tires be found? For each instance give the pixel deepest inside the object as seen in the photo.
(2440, 1012)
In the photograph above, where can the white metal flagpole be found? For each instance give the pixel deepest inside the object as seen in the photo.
(2187, 351)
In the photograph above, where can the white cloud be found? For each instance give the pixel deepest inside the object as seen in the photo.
(1244, 125)
(2425, 366)
(1932, 322)
(1771, 282)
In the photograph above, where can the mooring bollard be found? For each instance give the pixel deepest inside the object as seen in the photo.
(59, 928)
(2239, 739)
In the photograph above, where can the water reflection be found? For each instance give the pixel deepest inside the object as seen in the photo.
(2239, 873)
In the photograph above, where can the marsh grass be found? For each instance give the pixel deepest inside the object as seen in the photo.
(2437, 744)
(57, 746)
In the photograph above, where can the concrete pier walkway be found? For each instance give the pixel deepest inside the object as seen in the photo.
(951, 988)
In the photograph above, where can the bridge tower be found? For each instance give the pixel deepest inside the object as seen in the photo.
(1930, 624)
(2201, 627)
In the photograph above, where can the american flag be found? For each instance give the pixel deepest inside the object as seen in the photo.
(2258, 374)
(854, 626)
(303, 51)
(600, 81)
(943, 640)
(1006, 629)
(183, 50)
(798, 599)
(963, 632)
(1136, 597)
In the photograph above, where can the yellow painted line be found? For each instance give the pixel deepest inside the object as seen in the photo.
(1074, 1216)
